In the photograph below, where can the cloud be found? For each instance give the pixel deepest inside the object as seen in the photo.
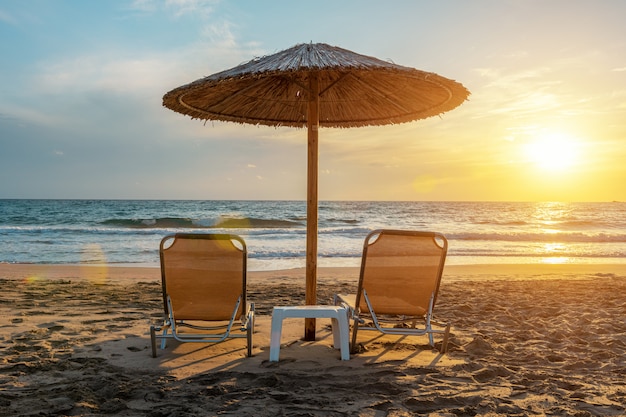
(184, 7)
(6, 116)
(27, 114)
(103, 72)
(491, 73)
(179, 8)
(131, 72)
(219, 33)
(144, 5)
(7, 18)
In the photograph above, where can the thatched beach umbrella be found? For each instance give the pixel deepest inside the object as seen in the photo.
(317, 85)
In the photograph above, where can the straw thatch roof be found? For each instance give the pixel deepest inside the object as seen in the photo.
(355, 90)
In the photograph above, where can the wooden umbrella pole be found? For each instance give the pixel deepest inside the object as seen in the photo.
(313, 123)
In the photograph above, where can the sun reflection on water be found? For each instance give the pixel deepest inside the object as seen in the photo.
(558, 260)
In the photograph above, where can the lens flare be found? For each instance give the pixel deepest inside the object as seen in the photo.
(92, 254)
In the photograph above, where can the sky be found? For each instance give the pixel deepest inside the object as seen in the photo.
(82, 81)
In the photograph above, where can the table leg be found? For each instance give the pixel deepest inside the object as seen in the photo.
(276, 332)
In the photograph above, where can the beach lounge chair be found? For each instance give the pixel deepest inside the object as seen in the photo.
(398, 285)
(204, 290)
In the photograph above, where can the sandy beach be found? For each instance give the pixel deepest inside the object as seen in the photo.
(527, 340)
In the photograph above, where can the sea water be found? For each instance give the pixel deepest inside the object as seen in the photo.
(128, 232)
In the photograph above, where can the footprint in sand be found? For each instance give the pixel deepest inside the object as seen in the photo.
(53, 327)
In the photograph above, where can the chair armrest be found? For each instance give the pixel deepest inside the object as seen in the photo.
(348, 301)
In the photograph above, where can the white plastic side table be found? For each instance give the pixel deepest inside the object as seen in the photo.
(337, 314)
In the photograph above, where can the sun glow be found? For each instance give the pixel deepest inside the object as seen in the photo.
(553, 151)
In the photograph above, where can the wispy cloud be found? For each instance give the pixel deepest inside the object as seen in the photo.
(176, 8)
(7, 18)
(100, 72)
(144, 5)
(26, 115)
(219, 33)
(184, 7)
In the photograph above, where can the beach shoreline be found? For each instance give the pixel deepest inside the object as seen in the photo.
(500, 271)
(526, 340)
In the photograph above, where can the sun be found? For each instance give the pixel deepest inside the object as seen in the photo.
(553, 151)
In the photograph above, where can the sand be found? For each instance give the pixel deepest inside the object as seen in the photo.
(527, 340)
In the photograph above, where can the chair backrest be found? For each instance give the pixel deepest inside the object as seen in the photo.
(400, 270)
(203, 275)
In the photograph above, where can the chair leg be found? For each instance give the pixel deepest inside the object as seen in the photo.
(153, 341)
(249, 338)
(444, 342)
(355, 329)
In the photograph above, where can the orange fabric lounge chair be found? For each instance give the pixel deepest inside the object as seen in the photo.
(398, 285)
(204, 290)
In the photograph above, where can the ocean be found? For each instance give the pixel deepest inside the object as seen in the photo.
(128, 232)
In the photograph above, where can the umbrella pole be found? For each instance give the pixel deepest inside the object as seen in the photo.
(312, 202)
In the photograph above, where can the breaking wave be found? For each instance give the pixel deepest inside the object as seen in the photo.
(186, 223)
